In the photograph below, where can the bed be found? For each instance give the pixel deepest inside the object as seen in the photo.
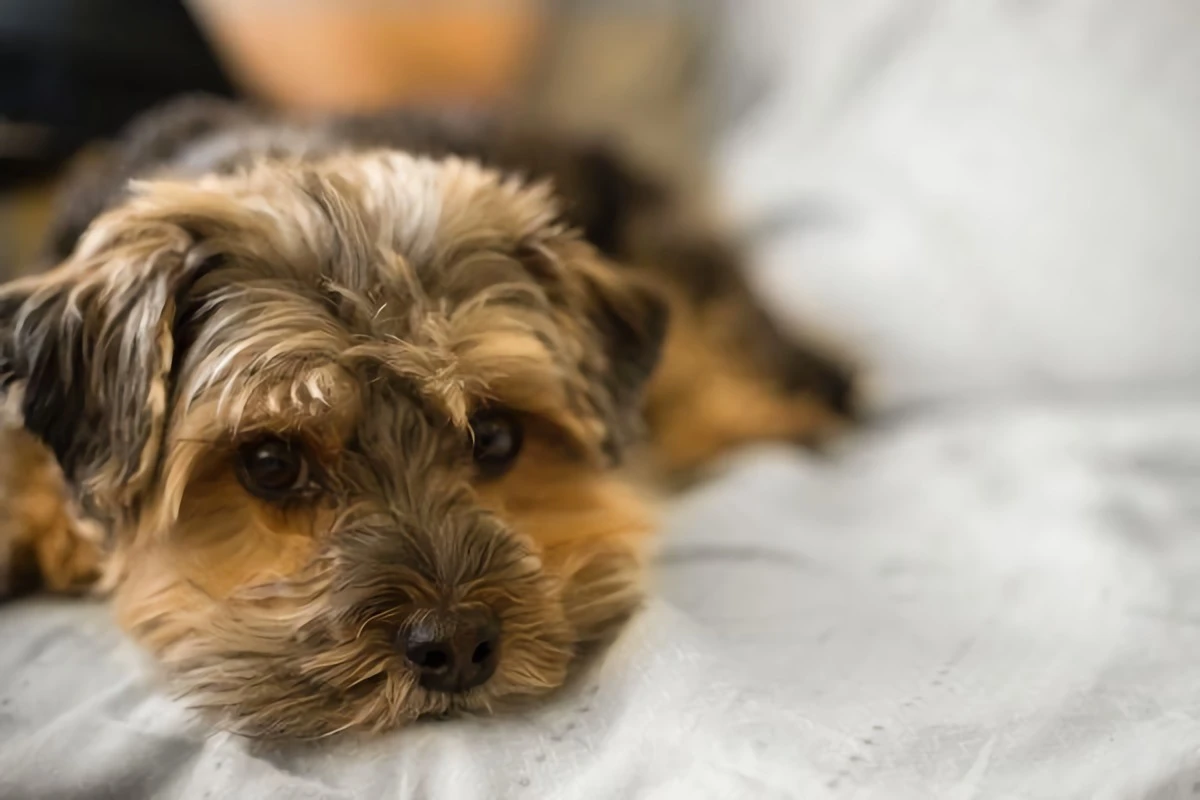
(991, 590)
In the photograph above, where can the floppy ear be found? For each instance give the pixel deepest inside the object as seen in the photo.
(629, 319)
(86, 353)
(620, 322)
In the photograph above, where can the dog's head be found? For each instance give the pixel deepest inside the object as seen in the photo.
(352, 428)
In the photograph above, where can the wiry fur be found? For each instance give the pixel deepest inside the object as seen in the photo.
(783, 387)
(365, 301)
(367, 304)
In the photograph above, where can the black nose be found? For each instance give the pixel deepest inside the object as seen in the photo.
(453, 652)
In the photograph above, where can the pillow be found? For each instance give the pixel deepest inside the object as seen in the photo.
(995, 197)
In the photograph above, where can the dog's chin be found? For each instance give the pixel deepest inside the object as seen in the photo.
(274, 669)
(324, 688)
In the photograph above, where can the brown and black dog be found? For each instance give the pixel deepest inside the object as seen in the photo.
(340, 412)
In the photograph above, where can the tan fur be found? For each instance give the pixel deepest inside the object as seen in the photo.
(40, 544)
(591, 527)
(707, 398)
(365, 307)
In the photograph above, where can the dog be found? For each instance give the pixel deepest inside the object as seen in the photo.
(350, 418)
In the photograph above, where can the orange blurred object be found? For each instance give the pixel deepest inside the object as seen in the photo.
(357, 56)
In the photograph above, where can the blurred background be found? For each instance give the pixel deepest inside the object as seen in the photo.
(992, 196)
(72, 72)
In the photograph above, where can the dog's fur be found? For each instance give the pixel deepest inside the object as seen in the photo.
(363, 287)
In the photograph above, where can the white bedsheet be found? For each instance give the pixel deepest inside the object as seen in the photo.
(973, 603)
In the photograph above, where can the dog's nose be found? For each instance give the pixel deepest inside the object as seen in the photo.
(455, 652)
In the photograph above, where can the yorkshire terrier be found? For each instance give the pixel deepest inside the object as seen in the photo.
(340, 414)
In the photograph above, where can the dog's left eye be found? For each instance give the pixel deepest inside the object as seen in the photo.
(274, 469)
(498, 437)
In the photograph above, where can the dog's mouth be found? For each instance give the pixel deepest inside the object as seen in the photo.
(312, 689)
(312, 657)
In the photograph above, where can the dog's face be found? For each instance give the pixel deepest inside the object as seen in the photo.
(351, 427)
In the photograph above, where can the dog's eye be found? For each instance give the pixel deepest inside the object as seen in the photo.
(498, 436)
(273, 469)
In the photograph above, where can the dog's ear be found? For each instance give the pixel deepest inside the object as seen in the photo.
(629, 318)
(86, 352)
(619, 320)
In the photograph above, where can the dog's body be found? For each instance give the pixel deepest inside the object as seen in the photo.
(337, 410)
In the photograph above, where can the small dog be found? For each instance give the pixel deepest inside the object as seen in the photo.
(339, 413)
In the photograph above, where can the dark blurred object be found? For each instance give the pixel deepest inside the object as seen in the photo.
(75, 70)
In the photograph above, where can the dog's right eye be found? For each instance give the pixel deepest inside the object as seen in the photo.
(273, 469)
(497, 437)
